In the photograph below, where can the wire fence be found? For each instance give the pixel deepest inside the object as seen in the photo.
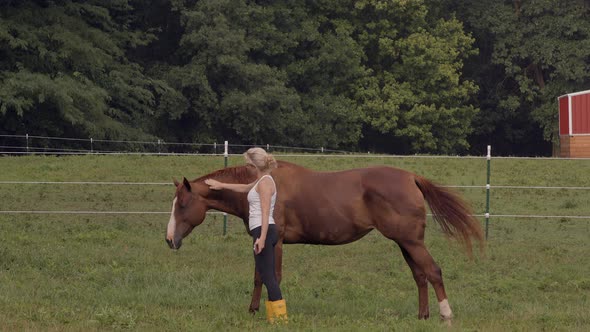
(30, 144)
(47, 145)
(114, 183)
(168, 184)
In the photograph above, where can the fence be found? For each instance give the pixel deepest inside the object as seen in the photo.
(218, 151)
(31, 144)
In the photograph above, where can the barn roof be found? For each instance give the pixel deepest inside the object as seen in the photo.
(574, 94)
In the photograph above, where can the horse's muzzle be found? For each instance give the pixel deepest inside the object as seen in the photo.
(174, 244)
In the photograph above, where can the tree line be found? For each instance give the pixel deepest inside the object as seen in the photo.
(398, 76)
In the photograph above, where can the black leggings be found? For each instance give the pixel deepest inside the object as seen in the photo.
(265, 261)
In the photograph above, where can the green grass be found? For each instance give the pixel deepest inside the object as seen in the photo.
(112, 272)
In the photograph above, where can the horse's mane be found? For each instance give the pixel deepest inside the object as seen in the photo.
(283, 163)
(241, 173)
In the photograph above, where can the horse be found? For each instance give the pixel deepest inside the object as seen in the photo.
(332, 208)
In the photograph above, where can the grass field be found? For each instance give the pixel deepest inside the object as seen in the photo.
(111, 272)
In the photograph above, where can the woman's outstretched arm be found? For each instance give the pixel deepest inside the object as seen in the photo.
(237, 187)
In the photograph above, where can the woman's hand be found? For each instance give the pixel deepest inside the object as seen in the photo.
(259, 245)
(214, 184)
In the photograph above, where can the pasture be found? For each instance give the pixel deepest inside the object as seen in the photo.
(114, 271)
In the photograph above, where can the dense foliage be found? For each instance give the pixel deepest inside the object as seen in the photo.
(401, 76)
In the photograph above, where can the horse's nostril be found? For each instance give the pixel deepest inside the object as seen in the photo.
(174, 244)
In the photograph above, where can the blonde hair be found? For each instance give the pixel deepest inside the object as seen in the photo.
(261, 159)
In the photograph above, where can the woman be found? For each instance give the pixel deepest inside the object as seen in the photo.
(262, 195)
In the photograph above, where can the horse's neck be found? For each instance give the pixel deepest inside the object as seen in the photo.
(229, 201)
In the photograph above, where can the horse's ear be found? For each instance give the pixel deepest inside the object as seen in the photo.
(176, 183)
(187, 185)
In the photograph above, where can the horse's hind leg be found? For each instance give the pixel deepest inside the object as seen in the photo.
(433, 273)
(421, 263)
(421, 283)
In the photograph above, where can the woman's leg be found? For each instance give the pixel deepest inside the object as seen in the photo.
(265, 262)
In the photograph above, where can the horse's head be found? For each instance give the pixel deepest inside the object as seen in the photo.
(188, 211)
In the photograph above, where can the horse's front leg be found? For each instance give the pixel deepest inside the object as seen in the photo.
(279, 261)
(256, 293)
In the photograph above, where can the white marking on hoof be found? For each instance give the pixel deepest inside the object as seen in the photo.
(445, 310)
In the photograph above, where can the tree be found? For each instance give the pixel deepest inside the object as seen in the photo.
(415, 95)
(65, 71)
(258, 73)
(531, 52)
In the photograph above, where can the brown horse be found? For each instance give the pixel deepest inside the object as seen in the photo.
(336, 208)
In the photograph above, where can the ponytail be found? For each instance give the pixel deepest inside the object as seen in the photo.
(270, 161)
(261, 159)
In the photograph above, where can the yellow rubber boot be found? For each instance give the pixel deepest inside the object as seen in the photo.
(276, 311)
(269, 312)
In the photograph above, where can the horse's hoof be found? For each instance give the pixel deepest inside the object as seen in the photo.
(253, 310)
(447, 320)
(424, 315)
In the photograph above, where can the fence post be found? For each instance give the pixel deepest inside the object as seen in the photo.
(489, 158)
(91, 145)
(214, 147)
(225, 156)
(27, 139)
(159, 148)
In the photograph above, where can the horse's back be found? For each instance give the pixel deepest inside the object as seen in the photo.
(340, 207)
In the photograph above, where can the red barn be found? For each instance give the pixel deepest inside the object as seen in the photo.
(574, 125)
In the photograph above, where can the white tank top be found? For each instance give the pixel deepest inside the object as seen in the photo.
(255, 218)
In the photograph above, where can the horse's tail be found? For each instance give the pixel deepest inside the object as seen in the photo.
(452, 213)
